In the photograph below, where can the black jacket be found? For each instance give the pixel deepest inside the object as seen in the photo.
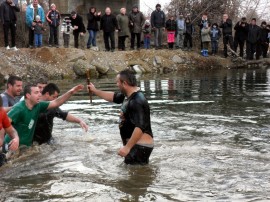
(171, 25)
(241, 32)
(226, 27)
(108, 23)
(8, 12)
(158, 19)
(53, 18)
(264, 35)
(92, 22)
(78, 21)
(253, 34)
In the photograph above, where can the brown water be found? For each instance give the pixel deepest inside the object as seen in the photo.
(212, 143)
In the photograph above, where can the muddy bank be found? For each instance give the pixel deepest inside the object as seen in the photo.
(61, 63)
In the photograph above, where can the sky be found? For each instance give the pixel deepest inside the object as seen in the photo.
(151, 3)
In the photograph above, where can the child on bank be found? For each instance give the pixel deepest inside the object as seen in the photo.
(38, 30)
(147, 34)
(215, 36)
(66, 29)
(206, 39)
(171, 27)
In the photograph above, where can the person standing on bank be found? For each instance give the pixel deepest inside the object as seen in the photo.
(226, 26)
(189, 30)
(134, 122)
(109, 25)
(78, 27)
(253, 39)
(93, 17)
(180, 31)
(264, 42)
(158, 20)
(32, 11)
(171, 27)
(8, 18)
(53, 17)
(240, 35)
(202, 23)
(123, 23)
(136, 22)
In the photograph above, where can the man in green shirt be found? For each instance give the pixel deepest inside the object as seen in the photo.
(24, 114)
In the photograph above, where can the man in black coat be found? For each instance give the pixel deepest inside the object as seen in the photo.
(240, 35)
(226, 26)
(108, 24)
(264, 41)
(253, 40)
(8, 18)
(79, 28)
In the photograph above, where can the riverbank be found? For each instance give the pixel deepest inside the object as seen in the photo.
(61, 63)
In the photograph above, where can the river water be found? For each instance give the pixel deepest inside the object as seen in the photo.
(212, 143)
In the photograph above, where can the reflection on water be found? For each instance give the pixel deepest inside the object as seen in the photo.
(211, 132)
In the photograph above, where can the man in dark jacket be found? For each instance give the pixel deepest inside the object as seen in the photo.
(202, 22)
(158, 25)
(264, 41)
(253, 39)
(8, 18)
(226, 26)
(240, 35)
(108, 24)
(79, 28)
(136, 21)
(53, 17)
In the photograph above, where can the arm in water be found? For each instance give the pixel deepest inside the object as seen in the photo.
(74, 119)
(102, 94)
(12, 133)
(62, 99)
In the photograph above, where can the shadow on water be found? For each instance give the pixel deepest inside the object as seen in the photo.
(211, 132)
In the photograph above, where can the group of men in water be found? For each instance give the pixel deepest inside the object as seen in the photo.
(30, 119)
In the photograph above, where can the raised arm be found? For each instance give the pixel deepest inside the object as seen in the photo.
(73, 119)
(106, 95)
(62, 99)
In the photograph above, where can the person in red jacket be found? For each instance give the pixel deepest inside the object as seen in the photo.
(53, 17)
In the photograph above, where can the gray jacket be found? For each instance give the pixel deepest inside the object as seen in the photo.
(123, 24)
(136, 21)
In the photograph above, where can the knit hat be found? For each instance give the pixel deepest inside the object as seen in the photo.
(135, 6)
(158, 5)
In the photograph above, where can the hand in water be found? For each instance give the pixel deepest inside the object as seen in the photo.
(124, 151)
(14, 144)
(84, 126)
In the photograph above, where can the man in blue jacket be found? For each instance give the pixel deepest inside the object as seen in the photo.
(32, 11)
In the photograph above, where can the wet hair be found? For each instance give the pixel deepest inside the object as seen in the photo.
(128, 76)
(27, 89)
(92, 8)
(12, 80)
(41, 80)
(1, 102)
(50, 88)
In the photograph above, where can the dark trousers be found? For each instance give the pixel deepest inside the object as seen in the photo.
(12, 27)
(106, 37)
(66, 38)
(53, 35)
(251, 49)
(262, 49)
(31, 36)
(138, 38)
(138, 155)
(228, 39)
(241, 44)
(170, 45)
(188, 39)
(76, 39)
(214, 45)
(121, 42)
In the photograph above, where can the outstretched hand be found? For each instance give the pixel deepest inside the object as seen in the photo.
(84, 126)
(77, 88)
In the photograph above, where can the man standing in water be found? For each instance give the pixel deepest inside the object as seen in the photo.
(43, 131)
(24, 114)
(134, 124)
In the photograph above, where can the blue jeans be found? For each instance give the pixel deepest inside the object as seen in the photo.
(146, 43)
(92, 38)
(38, 40)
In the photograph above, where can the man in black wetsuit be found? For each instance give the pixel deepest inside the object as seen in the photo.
(134, 124)
(44, 127)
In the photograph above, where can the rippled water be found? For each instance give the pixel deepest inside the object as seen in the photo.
(212, 143)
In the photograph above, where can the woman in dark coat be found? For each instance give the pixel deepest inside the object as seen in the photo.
(93, 17)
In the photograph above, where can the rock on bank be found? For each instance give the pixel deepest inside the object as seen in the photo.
(60, 63)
